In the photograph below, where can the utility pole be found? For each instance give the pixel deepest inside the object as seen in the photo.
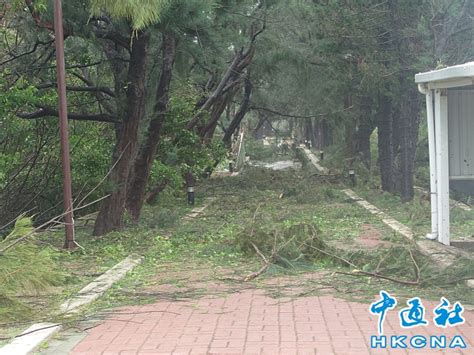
(63, 125)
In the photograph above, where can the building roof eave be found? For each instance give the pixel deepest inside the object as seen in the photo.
(462, 74)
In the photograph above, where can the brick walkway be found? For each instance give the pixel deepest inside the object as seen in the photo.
(248, 322)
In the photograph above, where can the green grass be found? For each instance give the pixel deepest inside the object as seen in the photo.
(417, 213)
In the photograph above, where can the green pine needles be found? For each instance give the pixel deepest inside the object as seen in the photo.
(26, 270)
(141, 13)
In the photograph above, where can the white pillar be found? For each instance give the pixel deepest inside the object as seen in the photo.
(432, 157)
(442, 163)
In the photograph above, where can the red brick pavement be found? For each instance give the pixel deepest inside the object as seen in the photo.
(248, 322)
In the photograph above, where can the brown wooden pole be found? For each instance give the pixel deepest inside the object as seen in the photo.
(63, 125)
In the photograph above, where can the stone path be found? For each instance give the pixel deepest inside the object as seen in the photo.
(248, 322)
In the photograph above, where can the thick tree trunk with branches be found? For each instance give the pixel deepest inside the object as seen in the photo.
(228, 85)
(240, 114)
(110, 216)
(146, 154)
(206, 132)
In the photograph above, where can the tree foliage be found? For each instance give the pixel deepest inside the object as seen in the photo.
(155, 85)
(140, 13)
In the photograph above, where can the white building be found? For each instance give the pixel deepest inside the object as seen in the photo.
(450, 112)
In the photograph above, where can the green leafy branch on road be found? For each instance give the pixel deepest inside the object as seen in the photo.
(28, 269)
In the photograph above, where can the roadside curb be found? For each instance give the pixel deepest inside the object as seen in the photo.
(444, 255)
(454, 203)
(40, 332)
(313, 159)
(386, 219)
(101, 284)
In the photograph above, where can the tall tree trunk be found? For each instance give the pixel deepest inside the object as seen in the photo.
(364, 132)
(408, 140)
(328, 137)
(406, 120)
(227, 82)
(110, 216)
(321, 133)
(385, 143)
(363, 142)
(349, 134)
(312, 126)
(239, 116)
(207, 131)
(318, 133)
(146, 154)
(386, 113)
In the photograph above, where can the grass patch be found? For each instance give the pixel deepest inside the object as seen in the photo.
(417, 213)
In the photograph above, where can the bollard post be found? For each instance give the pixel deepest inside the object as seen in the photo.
(191, 195)
(321, 155)
(190, 183)
(352, 176)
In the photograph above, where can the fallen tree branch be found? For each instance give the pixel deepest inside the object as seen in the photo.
(256, 274)
(266, 262)
(264, 268)
(358, 272)
(51, 221)
(415, 265)
(371, 274)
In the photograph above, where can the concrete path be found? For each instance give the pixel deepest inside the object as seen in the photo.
(248, 322)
